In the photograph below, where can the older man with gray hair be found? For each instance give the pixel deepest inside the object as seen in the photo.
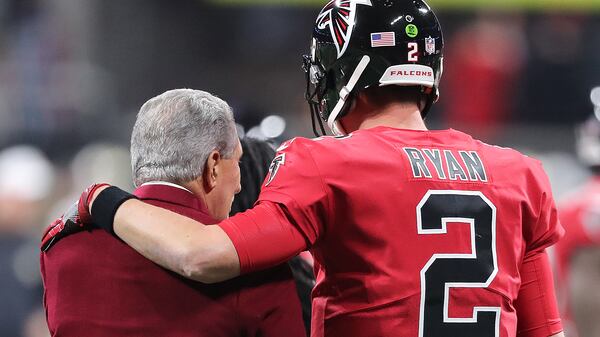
(184, 156)
(188, 137)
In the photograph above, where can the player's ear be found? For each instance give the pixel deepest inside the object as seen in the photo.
(211, 170)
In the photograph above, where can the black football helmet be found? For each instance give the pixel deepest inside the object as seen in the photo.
(361, 43)
(588, 135)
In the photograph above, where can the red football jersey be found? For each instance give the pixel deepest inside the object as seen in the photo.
(414, 233)
(580, 214)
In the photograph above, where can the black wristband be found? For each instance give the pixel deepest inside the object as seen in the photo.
(105, 207)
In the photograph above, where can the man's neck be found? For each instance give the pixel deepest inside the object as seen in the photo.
(393, 115)
(198, 188)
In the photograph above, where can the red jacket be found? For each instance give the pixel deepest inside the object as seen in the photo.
(96, 285)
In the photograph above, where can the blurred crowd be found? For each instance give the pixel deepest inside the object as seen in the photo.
(34, 191)
(73, 73)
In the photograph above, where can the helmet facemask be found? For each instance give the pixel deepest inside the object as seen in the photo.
(315, 89)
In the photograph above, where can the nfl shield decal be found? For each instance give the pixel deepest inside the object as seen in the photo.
(339, 16)
(429, 45)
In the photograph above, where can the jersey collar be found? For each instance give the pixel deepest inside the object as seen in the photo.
(170, 193)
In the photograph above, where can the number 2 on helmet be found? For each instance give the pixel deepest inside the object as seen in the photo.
(413, 52)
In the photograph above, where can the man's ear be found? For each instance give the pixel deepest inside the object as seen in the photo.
(211, 170)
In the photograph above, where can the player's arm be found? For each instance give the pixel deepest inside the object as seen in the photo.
(187, 247)
(256, 239)
(537, 311)
(536, 306)
(276, 229)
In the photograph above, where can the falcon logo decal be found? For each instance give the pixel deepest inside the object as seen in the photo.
(275, 164)
(340, 15)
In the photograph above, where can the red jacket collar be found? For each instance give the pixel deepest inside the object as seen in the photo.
(171, 194)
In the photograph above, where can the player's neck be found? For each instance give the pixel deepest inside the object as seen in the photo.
(396, 115)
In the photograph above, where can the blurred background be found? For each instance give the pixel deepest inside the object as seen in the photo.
(74, 72)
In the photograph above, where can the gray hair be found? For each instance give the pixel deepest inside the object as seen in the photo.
(176, 131)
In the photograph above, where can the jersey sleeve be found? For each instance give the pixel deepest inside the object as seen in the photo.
(295, 183)
(537, 311)
(543, 228)
(289, 215)
(263, 237)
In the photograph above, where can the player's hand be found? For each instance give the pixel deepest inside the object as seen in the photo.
(76, 219)
(67, 224)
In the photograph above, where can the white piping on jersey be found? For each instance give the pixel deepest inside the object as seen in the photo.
(166, 184)
(332, 122)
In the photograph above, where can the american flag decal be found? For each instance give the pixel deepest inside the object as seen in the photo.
(339, 16)
(384, 39)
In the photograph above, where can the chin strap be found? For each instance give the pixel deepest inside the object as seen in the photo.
(334, 125)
